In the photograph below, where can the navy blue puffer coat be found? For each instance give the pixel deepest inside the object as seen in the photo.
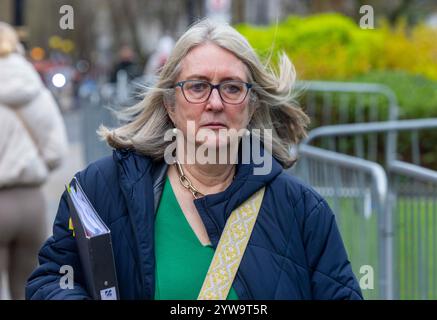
(295, 251)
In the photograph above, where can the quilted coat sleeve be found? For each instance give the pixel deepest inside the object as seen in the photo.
(332, 276)
(59, 250)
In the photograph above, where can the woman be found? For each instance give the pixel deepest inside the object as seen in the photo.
(167, 207)
(32, 142)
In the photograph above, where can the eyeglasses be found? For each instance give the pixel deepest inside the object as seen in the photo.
(199, 91)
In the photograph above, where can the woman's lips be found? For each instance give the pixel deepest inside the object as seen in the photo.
(214, 126)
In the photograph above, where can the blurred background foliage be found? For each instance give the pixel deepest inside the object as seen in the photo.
(333, 47)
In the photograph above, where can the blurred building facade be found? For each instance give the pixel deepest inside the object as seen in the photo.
(103, 26)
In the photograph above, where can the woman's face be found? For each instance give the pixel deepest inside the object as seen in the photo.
(214, 64)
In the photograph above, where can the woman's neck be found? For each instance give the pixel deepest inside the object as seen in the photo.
(210, 178)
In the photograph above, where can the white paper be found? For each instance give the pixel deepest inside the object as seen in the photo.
(90, 219)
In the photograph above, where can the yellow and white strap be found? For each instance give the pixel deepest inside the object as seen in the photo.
(230, 249)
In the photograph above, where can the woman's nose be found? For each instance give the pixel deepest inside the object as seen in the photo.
(215, 101)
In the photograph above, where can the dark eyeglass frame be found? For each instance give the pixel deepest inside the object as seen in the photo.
(212, 87)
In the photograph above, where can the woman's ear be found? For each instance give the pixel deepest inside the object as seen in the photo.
(168, 105)
(252, 110)
(170, 111)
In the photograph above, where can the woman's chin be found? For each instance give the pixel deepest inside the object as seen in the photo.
(213, 143)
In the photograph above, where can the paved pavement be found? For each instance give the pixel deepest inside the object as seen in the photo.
(56, 184)
(74, 162)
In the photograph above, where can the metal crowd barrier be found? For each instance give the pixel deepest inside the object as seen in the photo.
(408, 224)
(332, 103)
(337, 169)
(95, 109)
(98, 108)
(335, 102)
(356, 190)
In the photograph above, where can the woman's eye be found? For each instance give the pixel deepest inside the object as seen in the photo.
(197, 86)
(233, 88)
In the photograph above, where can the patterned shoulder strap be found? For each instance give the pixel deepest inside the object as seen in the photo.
(230, 249)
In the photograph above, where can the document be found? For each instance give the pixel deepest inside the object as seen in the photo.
(94, 243)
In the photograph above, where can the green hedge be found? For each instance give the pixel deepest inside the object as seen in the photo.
(417, 95)
(334, 47)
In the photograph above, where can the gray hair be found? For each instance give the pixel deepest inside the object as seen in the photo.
(272, 97)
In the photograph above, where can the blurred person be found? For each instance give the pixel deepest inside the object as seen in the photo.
(33, 142)
(168, 217)
(127, 63)
(158, 58)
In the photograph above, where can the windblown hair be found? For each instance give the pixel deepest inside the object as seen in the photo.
(272, 97)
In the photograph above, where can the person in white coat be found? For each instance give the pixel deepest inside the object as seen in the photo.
(33, 142)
